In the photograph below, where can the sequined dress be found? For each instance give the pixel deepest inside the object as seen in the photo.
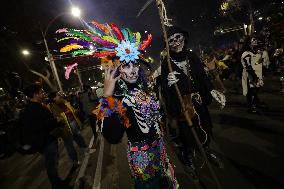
(146, 153)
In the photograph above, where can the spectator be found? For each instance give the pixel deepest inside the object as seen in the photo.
(66, 114)
(89, 101)
(40, 133)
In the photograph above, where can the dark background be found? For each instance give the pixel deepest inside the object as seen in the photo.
(22, 21)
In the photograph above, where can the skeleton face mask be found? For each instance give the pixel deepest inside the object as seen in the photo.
(129, 72)
(176, 42)
(253, 42)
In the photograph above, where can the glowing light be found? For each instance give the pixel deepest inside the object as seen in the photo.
(76, 11)
(260, 18)
(25, 52)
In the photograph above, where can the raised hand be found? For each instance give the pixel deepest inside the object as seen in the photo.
(110, 80)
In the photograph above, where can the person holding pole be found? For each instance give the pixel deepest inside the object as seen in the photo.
(196, 91)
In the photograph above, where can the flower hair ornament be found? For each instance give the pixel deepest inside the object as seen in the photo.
(114, 47)
(105, 41)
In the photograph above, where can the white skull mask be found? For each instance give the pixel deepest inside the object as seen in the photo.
(254, 42)
(176, 42)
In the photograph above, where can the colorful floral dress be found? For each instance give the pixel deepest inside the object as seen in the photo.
(137, 113)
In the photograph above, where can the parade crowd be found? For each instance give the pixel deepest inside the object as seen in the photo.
(145, 107)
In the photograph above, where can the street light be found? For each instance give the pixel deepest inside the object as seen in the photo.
(25, 52)
(76, 13)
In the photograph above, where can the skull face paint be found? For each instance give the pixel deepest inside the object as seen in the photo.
(253, 42)
(176, 42)
(129, 72)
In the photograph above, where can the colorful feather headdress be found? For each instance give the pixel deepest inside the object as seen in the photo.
(105, 41)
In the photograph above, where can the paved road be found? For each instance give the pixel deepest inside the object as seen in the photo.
(251, 146)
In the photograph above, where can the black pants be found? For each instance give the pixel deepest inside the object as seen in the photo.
(93, 124)
(187, 138)
(252, 97)
(51, 164)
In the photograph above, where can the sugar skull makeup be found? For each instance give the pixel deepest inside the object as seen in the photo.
(129, 72)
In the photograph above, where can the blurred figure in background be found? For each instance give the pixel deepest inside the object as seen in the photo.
(215, 68)
(40, 133)
(89, 101)
(252, 79)
(66, 114)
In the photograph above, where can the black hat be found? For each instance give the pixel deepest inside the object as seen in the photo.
(175, 29)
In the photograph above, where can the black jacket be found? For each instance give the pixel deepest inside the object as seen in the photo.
(200, 81)
(37, 122)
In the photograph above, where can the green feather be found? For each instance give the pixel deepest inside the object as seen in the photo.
(79, 52)
(80, 35)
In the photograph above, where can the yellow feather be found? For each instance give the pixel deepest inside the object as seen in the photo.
(70, 47)
(138, 38)
(67, 38)
(110, 39)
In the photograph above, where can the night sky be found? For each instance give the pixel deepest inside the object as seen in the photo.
(22, 20)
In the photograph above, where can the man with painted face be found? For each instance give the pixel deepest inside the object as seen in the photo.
(195, 87)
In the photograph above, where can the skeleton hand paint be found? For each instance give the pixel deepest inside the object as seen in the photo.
(219, 97)
(172, 79)
(110, 81)
(176, 42)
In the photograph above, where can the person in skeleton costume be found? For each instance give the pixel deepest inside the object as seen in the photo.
(127, 105)
(252, 78)
(196, 90)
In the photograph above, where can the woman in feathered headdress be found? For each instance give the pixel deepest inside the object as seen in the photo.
(127, 105)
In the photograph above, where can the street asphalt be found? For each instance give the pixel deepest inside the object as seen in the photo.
(250, 145)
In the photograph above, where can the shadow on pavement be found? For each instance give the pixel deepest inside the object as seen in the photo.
(245, 123)
(258, 179)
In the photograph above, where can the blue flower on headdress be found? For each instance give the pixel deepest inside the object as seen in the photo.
(127, 51)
